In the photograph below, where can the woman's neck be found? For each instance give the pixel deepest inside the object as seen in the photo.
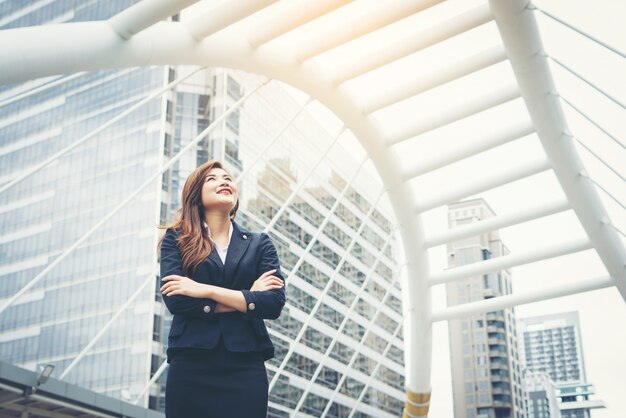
(219, 225)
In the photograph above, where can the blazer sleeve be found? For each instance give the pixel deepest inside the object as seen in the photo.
(267, 304)
(171, 263)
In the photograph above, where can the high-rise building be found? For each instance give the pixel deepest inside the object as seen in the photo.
(552, 344)
(486, 375)
(541, 399)
(351, 265)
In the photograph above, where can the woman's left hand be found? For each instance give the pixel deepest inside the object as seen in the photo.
(267, 281)
(180, 285)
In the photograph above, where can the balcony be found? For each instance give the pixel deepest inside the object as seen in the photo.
(496, 329)
(498, 354)
(500, 391)
(499, 366)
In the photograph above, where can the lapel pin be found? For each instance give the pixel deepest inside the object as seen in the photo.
(245, 236)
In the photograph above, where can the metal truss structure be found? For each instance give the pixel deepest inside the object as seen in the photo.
(296, 42)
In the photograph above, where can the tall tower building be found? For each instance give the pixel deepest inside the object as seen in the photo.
(552, 344)
(273, 154)
(541, 398)
(486, 374)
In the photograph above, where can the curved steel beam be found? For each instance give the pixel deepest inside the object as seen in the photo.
(91, 46)
(144, 14)
(518, 28)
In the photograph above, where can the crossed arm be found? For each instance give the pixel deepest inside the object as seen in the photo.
(187, 297)
(228, 300)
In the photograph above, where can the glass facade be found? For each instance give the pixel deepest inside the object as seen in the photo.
(49, 211)
(334, 246)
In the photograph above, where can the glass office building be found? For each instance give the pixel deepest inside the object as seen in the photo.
(351, 265)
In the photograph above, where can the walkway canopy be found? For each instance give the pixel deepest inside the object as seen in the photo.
(23, 393)
(373, 63)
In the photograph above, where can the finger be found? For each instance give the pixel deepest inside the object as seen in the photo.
(169, 287)
(172, 277)
(267, 273)
(173, 290)
(273, 286)
(274, 279)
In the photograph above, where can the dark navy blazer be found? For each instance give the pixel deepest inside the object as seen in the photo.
(195, 323)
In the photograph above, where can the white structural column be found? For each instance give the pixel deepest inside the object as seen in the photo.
(297, 14)
(456, 112)
(394, 93)
(512, 174)
(222, 16)
(412, 43)
(145, 13)
(508, 301)
(518, 28)
(496, 222)
(493, 265)
(470, 148)
(382, 14)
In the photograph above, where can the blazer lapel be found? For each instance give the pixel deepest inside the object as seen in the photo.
(236, 249)
(215, 257)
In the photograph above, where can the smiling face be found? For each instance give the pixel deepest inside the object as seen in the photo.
(219, 192)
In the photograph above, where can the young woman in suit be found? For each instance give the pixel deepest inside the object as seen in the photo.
(220, 281)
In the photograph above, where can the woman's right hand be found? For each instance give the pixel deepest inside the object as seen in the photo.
(267, 282)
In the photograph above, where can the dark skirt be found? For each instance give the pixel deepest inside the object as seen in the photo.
(216, 384)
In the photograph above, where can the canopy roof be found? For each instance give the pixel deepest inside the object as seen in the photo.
(426, 86)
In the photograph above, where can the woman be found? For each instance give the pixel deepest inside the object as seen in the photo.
(219, 281)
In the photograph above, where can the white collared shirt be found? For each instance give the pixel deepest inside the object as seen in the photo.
(220, 251)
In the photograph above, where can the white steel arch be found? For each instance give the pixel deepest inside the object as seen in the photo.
(228, 36)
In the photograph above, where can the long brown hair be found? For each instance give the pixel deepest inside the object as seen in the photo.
(194, 243)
